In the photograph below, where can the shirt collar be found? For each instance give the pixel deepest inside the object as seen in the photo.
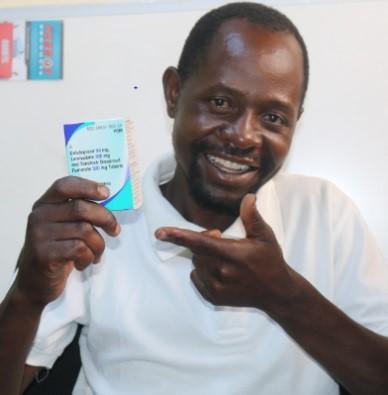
(159, 212)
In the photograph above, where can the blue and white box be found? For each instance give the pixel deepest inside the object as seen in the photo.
(104, 151)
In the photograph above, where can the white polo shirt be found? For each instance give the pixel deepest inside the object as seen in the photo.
(147, 331)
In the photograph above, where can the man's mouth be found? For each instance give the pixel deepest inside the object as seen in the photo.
(227, 165)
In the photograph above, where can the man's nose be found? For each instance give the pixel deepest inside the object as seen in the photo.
(245, 131)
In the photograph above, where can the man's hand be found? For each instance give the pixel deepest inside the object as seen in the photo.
(61, 235)
(250, 272)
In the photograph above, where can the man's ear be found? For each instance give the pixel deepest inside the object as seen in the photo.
(171, 87)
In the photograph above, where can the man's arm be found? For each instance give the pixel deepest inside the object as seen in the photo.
(18, 324)
(252, 273)
(355, 356)
(61, 235)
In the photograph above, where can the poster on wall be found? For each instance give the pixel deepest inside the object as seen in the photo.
(31, 50)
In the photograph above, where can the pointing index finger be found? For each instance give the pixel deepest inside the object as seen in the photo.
(197, 242)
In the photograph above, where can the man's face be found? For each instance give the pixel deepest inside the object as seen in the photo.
(235, 117)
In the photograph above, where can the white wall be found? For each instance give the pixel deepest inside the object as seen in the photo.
(342, 136)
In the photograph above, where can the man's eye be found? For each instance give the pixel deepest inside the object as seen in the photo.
(220, 103)
(274, 119)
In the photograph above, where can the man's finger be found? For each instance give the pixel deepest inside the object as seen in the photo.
(254, 224)
(72, 187)
(77, 210)
(196, 241)
(212, 232)
(78, 230)
(75, 251)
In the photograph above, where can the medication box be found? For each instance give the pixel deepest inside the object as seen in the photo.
(104, 151)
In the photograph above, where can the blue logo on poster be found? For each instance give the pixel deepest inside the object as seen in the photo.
(45, 50)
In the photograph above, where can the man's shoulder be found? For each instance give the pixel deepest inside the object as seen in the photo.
(308, 191)
(303, 184)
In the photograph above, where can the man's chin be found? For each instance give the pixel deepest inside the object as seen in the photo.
(219, 203)
(218, 197)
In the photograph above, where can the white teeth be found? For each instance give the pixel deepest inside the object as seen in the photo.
(227, 165)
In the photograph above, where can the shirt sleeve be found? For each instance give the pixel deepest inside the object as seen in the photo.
(361, 271)
(59, 321)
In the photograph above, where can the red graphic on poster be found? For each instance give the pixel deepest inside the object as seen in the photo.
(48, 49)
(6, 49)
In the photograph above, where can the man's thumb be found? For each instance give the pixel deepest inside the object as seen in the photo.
(254, 224)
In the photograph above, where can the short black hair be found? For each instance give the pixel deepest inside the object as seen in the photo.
(201, 35)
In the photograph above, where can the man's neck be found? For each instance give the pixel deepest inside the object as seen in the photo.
(177, 192)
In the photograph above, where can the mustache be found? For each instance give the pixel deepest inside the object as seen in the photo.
(228, 149)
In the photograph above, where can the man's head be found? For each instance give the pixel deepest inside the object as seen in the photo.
(235, 98)
(197, 43)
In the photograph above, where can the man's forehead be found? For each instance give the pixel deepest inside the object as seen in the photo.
(244, 56)
(236, 37)
(234, 43)
(242, 44)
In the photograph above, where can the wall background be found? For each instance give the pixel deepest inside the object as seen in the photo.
(342, 136)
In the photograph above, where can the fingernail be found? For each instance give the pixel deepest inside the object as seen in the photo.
(160, 234)
(117, 229)
(103, 191)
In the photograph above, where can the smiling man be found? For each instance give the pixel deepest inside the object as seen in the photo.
(234, 118)
(288, 292)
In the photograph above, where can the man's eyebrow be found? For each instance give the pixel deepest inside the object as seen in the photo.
(219, 86)
(279, 101)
